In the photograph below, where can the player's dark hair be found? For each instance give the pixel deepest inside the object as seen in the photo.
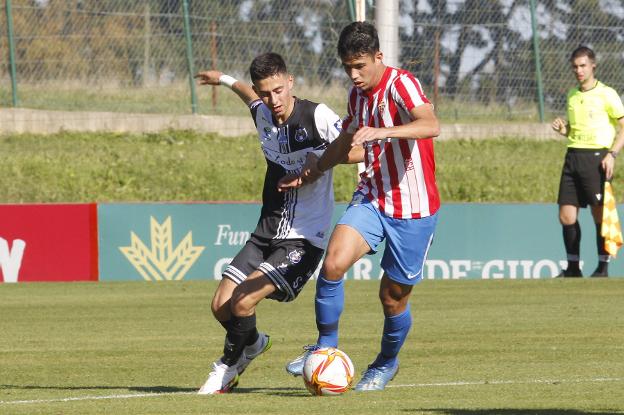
(358, 38)
(583, 51)
(267, 65)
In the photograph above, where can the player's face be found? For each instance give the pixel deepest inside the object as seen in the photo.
(276, 93)
(365, 70)
(583, 69)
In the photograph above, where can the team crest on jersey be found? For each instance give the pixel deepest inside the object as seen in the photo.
(409, 164)
(301, 134)
(295, 256)
(382, 106)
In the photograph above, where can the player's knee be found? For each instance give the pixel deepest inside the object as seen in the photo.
(242, 304)
(214, 306)
(388, 303)
(219, 309)
(566, 218)
(392, 304)
(333, 270)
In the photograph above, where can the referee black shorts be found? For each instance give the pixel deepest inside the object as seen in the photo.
(582, 178)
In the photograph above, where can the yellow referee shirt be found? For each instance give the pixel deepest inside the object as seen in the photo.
(593, 116)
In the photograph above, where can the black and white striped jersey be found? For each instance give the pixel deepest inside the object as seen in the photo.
(298, 213)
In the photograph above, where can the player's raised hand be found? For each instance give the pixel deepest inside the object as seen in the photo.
(560, 126)
(209, 77)
(290, 181)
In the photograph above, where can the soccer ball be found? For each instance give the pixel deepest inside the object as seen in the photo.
(328, 371)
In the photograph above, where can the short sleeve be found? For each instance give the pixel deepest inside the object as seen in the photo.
(615, 109)
(254, 106)
(327, 122)
(350, 122)
(407, 92)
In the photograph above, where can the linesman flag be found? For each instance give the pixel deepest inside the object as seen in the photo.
(610, 230)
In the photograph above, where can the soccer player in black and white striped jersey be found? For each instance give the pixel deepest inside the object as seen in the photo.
(289, 240)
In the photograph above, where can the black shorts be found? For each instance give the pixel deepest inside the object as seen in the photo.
(582, 178)
(288, 263)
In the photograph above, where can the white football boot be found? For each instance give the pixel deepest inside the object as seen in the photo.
(221, 380)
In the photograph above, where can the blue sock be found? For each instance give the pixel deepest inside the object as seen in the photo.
(394, 334)
(328, 304)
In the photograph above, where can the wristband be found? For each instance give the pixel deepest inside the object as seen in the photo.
(613, 153)
(227, 80)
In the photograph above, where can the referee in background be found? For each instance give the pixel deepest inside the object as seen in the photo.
(595, 113)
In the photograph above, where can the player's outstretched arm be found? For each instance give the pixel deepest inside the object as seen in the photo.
(311, 172)
(424, 124)
(242, 89)
(338, 152)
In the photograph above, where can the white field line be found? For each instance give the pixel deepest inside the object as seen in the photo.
(506, 382)
(95, 398)
(413, 385)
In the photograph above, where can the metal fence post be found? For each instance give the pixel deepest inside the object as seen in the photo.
(9, 16)
(538, 64)
(189, 55)
(351, 4)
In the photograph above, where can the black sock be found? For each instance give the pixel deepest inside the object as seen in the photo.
(241, 329)
(572, 241)
(226, 324)
(600, 241)
(252, 338)
(603, 267)
(603, 255)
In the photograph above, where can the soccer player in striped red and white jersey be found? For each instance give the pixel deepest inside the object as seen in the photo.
(397, 199)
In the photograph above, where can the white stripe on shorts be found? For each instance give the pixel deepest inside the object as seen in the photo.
(276, 277)
(235, 274)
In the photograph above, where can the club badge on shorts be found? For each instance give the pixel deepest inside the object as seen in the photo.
(295, 256)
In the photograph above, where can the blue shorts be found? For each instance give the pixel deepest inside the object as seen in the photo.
(407, 240)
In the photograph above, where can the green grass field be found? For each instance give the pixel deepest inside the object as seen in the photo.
(176, 99)
(188, 166)
(476, 347)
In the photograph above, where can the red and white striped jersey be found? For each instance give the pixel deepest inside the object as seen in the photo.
(400, 173)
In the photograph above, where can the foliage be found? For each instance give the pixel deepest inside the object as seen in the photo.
(503, 70)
